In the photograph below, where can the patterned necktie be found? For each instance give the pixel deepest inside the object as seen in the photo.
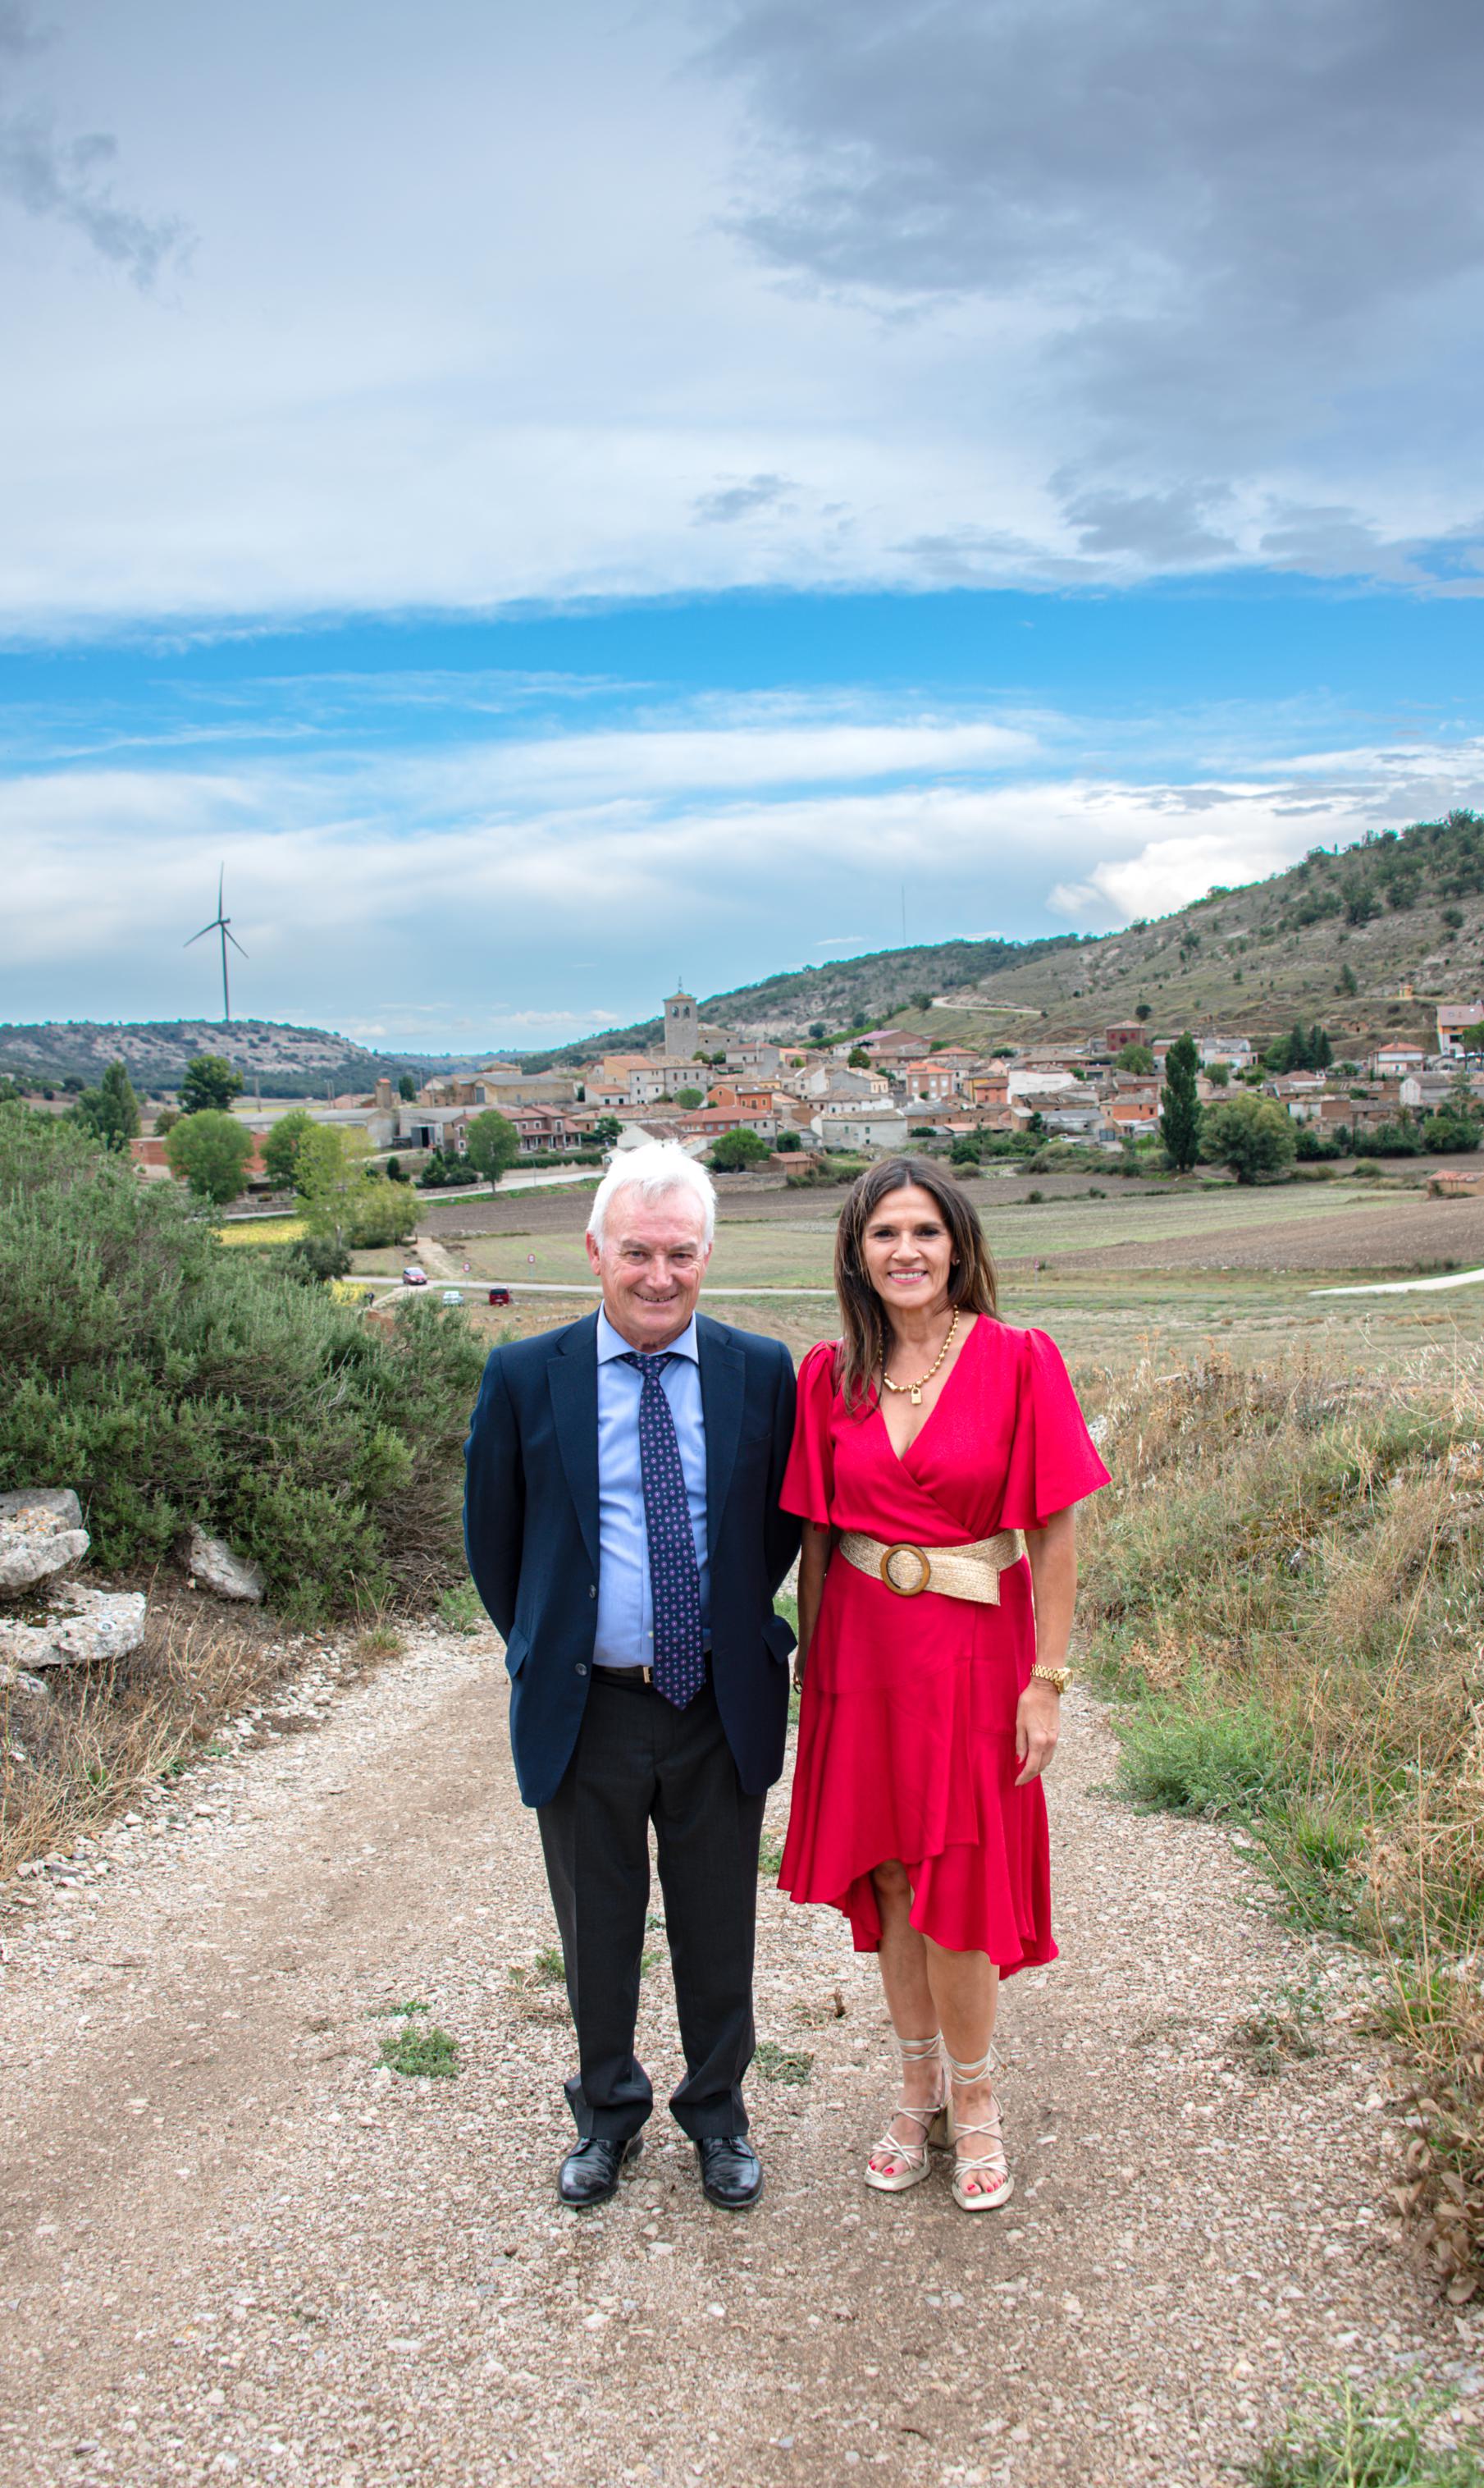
(680, 1656)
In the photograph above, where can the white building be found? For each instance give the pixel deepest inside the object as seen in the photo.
(862, 1125)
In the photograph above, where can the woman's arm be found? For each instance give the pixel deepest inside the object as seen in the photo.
(813, 1564)
(1052, 1553)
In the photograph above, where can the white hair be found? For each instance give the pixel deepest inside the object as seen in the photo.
(654, 1168)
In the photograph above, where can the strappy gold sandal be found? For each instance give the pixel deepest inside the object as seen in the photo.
(990, 2168)
(936, 2129)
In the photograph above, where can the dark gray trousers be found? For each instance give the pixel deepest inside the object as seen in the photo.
(640, 1761)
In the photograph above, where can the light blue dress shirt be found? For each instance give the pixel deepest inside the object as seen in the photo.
(626, 1602)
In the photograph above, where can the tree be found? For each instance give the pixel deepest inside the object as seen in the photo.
(817, 1028)
(211, 1151)
(605, 1130)
(327, 1160)
(1180, 1115)
(788, 1142)
(407, 1089)
(378, 1212)
(280, 1149)
(1143, 1012)
(110, 1112)
(209, 1085)
(1134, 1058)
(858, 1059)
(737, 1151)
(689, 1098)
(922, 1001)
(493, 1144)
(1252, 1135)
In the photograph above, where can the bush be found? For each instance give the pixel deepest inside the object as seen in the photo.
(210, 1083)
(171, 1380)
(1253, 1135)
(737, 1151)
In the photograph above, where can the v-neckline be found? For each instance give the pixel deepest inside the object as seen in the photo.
(880, 1409)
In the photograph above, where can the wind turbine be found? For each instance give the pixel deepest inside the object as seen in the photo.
(220, 924)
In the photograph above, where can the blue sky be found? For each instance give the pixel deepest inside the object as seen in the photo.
(553, 506)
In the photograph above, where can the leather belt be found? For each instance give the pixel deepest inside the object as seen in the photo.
(953, 1572)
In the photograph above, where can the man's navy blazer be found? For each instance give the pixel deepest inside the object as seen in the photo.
(530, 1525)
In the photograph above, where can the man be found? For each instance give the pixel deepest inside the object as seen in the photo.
(624, 1531)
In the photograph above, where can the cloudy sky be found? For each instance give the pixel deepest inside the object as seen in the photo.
(556, 500)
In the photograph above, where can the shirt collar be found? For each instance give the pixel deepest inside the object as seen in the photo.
(612, 1343)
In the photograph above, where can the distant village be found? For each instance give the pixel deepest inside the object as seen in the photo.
(873, 1091)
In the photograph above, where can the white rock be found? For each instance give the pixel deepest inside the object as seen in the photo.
(40, 1534)
(85, 1626)
(211, 1562)
(15, 1679)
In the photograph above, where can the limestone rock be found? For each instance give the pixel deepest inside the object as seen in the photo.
(211, 1562)
(40, 1534)
(85, 1626)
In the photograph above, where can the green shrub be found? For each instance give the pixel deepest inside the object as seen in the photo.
(170, 1381)
(1180, 1758)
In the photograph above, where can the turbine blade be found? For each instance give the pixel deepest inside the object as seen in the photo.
(235, 944)
(198, 937)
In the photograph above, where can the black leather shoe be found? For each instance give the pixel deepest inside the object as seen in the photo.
(592, 2168)
(731, 2171)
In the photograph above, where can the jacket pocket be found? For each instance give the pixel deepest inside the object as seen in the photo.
(514, 1652)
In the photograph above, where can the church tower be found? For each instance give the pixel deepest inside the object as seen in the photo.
(679, 1026)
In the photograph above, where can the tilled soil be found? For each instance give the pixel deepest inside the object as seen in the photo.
(232, 2247)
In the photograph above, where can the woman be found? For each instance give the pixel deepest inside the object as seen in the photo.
(937, 1460)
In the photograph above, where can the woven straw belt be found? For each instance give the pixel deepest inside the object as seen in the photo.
(953, 1572)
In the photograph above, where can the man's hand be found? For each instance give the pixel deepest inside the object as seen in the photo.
(1037, 1725)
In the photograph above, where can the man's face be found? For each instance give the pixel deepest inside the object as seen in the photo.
(650, 1264)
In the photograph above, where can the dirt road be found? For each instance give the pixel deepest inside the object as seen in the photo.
(234, 2249)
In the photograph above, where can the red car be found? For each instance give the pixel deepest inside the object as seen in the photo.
(499, 1296)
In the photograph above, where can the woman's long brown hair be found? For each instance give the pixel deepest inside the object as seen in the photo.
(866, 1332)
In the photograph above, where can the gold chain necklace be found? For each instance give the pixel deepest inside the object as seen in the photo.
(914, 1390)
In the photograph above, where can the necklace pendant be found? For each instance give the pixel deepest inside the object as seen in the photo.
(916, 1399)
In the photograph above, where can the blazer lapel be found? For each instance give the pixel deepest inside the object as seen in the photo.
(573, 1375)
(723, 1379)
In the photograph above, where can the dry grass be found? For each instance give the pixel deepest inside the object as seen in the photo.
(1287, 1579)
(71, 1757)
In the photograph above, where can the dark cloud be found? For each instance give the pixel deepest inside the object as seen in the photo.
(732, 501)
(1236, 232)
(70, 180)
(1168, 529)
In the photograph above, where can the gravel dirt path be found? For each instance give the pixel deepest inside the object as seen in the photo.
(231, 2247)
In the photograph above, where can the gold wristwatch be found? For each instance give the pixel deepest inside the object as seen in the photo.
(1060, 1677)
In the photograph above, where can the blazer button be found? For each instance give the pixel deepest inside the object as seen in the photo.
(592, 1591)
(582, 1667)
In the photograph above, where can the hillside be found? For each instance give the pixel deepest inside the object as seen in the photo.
(1399, 907)
(286, 1062)
(1332, 939)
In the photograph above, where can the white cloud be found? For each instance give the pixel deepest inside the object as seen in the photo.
(547, 918)
(481, 318)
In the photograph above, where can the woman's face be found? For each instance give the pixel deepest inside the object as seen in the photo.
(907, 1251)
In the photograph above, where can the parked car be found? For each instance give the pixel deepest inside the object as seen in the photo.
(499, 1296)
(452, 1296)
(414, 1277)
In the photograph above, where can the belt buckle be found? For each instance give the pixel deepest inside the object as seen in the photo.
(914, 1589)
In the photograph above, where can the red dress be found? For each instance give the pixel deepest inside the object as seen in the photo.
(907, 1727)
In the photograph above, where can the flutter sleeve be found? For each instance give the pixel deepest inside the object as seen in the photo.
(809, 1479)
(1054, 1461)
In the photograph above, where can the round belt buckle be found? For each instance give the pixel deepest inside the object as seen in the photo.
(910, 1588)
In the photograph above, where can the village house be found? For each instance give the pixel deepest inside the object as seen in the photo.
(1395, 1060)
(711, 1122)
(862, 1125)
(742, 1097)
(1235, 1051)
(930, 1079)
(1124, 1031)
(1452, 1020)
